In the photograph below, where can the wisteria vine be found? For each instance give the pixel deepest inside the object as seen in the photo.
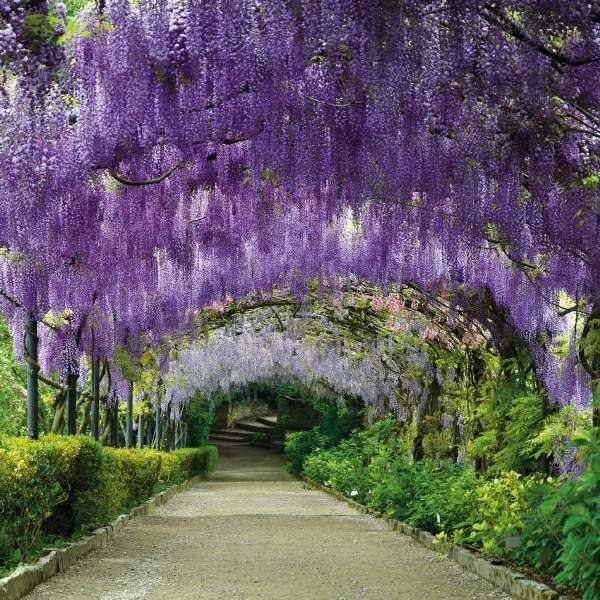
(186, 152)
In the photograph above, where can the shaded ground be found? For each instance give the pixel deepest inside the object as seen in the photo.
(252, 532)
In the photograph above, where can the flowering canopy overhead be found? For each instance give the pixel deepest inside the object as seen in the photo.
(185, 151)
(333, 349)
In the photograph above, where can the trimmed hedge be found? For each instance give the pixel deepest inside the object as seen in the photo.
(194, 462)
(60, 486)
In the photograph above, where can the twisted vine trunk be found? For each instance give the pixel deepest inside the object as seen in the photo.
(105, 427)
(59, 411)
(86, 421)
(429, 409)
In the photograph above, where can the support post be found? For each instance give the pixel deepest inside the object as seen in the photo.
(140, 431)
(114, 423)
(149, 433)
(169, 428)
(157, 416)
(95, 410)
(129, 418)
(71, 403)
(31, 351)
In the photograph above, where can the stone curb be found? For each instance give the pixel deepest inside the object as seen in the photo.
(515, 584)
(23, 579)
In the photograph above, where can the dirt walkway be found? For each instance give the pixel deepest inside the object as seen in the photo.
(253, 532)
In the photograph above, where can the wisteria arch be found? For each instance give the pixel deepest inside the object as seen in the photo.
(163, 156)
(358, 341)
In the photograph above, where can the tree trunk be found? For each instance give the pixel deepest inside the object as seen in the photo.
(114, 425)
(85, 422)
(590, 359)
(429, 409)
(59, 412)
(105, 427)
(455, 437)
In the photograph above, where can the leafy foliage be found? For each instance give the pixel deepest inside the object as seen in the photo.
(513, 408)
(549, 524)
(12, 386)
(580, 553)
(62, 486)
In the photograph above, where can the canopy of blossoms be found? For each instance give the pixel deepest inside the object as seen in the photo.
(327, 353)
(383, 355)
(228, 360)
(159, 156)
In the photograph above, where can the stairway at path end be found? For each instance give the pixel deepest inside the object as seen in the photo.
(248, 431)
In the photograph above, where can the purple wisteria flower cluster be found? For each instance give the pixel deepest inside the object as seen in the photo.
(185, 152)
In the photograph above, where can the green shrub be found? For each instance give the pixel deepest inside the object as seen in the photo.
(340, 469)
(300, 444)
(580, 499)
(93, 484)
(200, 416)
(336, 419)
(541, 536)
(30, 490)
(141, 471)
(443, 497)
(551, 525)
(392, 494)
(60, 486)
(209, 459)
(171, 469)
(318, 464)
(197, 461)
(499, 512)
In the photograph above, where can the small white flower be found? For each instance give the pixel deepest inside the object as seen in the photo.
(354, 493)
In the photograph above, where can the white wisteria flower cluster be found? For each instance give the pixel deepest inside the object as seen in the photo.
(231, 358)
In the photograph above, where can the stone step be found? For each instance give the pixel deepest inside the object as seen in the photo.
(254, 426)
(241, 433)
(227, 438)
(223, 444)
(270, 420)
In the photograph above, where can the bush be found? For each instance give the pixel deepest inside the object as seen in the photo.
(171, 470)
(60, 486)
(553, 526)
(393, 492)
(31, 474)
(443, 497)
(201, 416)
(300, 444)
(340, 470)
(541, 536)
(197, 461)
(94, 486)
(580, 499)
(141, 472)
(337, 419)
(499, 512)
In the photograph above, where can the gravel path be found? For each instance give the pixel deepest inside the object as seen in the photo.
(254, 532)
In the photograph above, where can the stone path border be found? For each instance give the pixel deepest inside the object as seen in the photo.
(512, 582)
(23, 579)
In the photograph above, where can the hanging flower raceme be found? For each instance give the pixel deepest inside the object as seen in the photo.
(190, 151)
(231, 359)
